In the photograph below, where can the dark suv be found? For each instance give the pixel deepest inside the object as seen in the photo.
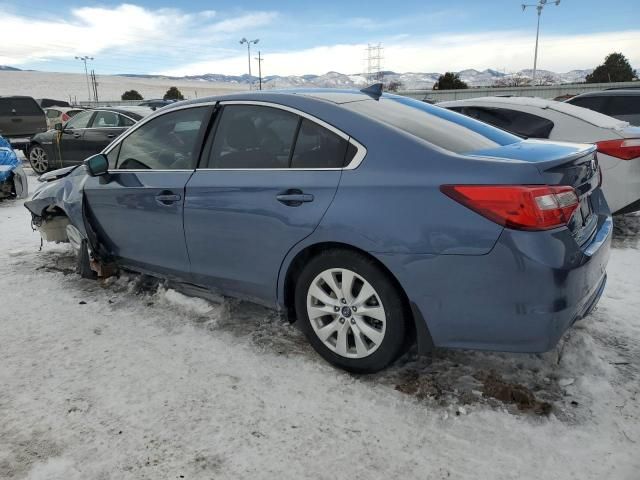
(620, 103)
(20, 119)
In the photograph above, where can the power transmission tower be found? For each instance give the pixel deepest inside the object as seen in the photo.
(374, 59)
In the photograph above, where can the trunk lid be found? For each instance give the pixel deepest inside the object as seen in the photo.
(560, 163)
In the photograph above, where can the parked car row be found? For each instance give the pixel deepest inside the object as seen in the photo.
(372, 220)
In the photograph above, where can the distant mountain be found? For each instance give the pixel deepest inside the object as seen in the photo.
(6, 68)
(409, 80)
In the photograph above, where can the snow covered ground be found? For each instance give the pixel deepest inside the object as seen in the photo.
(125, 379)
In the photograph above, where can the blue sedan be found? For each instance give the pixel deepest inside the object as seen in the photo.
(372, 220)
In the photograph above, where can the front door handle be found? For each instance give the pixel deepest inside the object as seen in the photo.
(167, 199)
(294, 197)
(111, 135)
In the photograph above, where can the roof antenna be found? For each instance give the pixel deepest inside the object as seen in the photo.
(374, 91)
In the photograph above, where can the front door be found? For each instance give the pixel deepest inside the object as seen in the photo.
(268, 178)
(70, 142)
(138, 207)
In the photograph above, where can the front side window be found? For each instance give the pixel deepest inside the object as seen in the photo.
(592, 103)
(253, 136)
(620, 105)
(81, 120)
(53, 113)
(169, 142)
(105, 120)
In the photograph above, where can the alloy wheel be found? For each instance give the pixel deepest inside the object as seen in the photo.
(346, 313)
(38, 159)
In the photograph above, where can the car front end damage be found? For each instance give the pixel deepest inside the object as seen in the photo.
(13, 179)
(58, 213)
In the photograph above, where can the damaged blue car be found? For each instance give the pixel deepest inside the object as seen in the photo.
(372, 220)
(13, 180)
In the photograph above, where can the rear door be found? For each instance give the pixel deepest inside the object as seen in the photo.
(267, 179)
(138, 209)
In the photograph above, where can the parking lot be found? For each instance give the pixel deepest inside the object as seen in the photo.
(124, 378)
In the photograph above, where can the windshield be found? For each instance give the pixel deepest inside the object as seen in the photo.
(439, 126)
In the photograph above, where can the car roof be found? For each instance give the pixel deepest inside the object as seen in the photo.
(589, 116)
(614, 92)
(333, 95)
(125, 109)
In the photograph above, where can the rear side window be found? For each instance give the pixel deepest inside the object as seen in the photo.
(620, 105)
(436, 125)
(592, 103)
(317, 147)
(20, 106)
(253, 136)
(523, 124)
(125, 121)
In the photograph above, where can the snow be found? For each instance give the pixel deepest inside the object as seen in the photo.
(127, 379)
(589, 116)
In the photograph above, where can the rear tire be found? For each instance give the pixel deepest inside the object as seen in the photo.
(351, 312)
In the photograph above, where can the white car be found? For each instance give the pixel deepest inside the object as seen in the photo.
(57, 114)
(618, 142)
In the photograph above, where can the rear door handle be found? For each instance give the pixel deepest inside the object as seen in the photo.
(294, 198)
(77, 135)
(111, 135)
(167, 199)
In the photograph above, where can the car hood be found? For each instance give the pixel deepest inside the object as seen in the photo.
(56, 174)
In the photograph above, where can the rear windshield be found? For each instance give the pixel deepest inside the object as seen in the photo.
(439, 126)
(21, 106)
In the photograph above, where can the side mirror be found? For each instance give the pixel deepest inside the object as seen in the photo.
(97, 165)
(58, 127)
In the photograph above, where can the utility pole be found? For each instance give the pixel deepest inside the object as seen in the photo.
(260, 59)
(249, 42)
(94, 82)
(86, 73)
(539, 7)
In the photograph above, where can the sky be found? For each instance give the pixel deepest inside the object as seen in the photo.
(298, 37)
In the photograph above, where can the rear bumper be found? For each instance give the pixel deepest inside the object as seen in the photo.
(520, 297)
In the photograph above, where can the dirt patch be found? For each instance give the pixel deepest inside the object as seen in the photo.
(495, 386)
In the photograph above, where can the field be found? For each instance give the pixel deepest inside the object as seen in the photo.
(63, 86)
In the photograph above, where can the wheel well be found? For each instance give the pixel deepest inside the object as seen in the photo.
(301, 259)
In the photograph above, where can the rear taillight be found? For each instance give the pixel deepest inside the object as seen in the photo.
(624, 149)
(522, 207)
(65, 117)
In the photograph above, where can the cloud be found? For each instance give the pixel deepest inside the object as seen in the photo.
(511, 50)
(127, 29)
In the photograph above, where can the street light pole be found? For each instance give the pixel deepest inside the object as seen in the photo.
(539, 7)
(86, 73)
(249, 42)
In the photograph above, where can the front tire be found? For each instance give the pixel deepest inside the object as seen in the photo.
(351, 311)
(38, 159)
